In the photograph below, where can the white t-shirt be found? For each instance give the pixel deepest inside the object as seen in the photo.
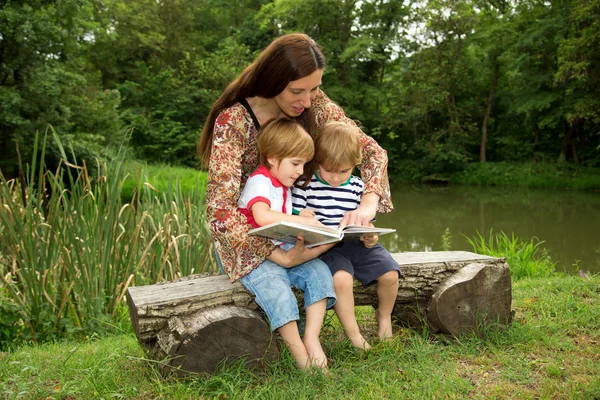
(262, 186)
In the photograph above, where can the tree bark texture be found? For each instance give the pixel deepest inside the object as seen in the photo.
(195, 323)
(486, 118)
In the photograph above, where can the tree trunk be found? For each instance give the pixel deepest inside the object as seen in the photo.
(196, 322)
(577, 123)
(565, 143)
(194, 342)
(574, 153)
(488, 111)
(105, 79)
(536, 141)
(476, 296)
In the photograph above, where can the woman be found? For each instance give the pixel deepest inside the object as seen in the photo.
(284, 81)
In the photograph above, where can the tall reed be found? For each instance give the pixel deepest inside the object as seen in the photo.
(70, 247)
(526, 259)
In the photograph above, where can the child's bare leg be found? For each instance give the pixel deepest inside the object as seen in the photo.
(343, 283)
(314, 320)
(387, 290)
(290, 335)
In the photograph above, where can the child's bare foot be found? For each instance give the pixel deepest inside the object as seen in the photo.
(303, 363)
(360, 342)
(315, 352)
(384, 327)
(320, 364)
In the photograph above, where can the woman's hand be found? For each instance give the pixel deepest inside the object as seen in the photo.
(361, 216)
(298, 254)
(365, 212)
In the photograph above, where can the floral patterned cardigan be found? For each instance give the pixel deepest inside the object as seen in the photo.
(234, 157)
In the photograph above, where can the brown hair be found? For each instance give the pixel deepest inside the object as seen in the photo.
(283, 138)
(288, 58)
(337, 145)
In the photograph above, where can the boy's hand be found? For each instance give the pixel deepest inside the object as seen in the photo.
(307, 212)
(369, 239)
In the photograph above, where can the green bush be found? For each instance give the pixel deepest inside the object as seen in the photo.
(10, 321)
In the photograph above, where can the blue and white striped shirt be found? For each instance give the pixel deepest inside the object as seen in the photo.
(329, 203)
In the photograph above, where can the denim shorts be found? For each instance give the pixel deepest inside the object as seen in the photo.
(271, 284)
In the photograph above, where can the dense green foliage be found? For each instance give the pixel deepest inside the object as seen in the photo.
(438, 84)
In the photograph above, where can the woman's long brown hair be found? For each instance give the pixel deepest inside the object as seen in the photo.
(288, 58)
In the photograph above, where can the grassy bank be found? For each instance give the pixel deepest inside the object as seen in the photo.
(161, 178)
(527, 175)
(551, 350)
(530, 175)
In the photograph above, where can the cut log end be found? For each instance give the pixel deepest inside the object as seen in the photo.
(202, 341)
(475, 298)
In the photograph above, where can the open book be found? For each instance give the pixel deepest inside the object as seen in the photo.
(314, 235)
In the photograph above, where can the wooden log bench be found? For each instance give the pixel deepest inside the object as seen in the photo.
(195, 323)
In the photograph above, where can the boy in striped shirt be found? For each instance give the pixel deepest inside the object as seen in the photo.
(332, 192)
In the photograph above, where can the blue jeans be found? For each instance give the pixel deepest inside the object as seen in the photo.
(271, 284)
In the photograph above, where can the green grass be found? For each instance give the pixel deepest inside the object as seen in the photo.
(526, 259)
(551, 350)
(531, 175)
(160, 177)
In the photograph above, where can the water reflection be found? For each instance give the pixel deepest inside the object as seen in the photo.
(567, 221)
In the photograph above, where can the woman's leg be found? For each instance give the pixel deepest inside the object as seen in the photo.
(344, 308)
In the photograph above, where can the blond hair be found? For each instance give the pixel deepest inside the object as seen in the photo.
(337, 145)
(283, 138)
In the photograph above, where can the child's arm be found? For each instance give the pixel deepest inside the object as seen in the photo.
(299, 194)
(263, 215)
(307, 212)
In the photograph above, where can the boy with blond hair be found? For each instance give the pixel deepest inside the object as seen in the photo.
(331, 192)
(284, 147)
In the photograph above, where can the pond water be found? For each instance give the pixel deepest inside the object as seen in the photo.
(568, 222)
